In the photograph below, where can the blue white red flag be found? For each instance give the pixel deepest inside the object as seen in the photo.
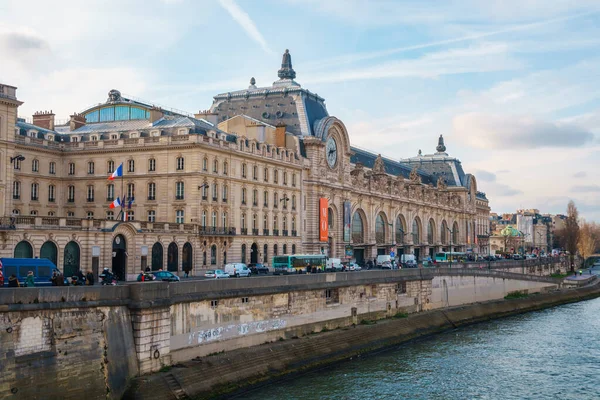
(116, 203)
(117, 172)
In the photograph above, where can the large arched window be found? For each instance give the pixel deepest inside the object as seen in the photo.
(380, 229)
(265, 253)
(400, 230)
(430, 232)
(243, 254)
(173, 257)
(444, 232)
(330, 218)
(357, 228)
(23, 250)
(157, 256)
(455, 233)
(416, 232)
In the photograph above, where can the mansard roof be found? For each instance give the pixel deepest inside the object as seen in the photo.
(392, 167)
(285, 102)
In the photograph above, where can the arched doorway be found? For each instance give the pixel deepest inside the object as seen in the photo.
(187, 263)
(157, 256)
(416, 236)
(119, 260)
(172, 257)
(23, 249)
(254, 253)
(71, 259)
(49, 251)
(243, 254)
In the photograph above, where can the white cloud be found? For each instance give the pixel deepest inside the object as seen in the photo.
(498, 132)
(486, 57)
(586, 188)
(245, 22)
(485, 176)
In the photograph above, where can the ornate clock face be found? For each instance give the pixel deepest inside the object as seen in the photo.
(331, 152)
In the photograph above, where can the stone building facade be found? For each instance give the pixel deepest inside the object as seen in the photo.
(242, 181)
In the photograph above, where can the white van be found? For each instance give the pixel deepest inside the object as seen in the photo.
(237, 270)
(409, 260)
(333, 265)
(385, 261)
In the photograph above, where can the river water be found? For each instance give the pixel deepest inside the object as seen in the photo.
(549, 354)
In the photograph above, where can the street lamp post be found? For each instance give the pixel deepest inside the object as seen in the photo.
(17, 159)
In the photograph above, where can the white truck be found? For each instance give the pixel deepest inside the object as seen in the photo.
(408, 260)
(333, 265)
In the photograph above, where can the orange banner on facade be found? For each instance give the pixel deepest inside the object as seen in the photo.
(323, 222)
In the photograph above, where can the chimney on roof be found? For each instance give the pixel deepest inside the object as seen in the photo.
(77, 121)
(280, 135)
(156, 113)
(208, 116)
(44, 119)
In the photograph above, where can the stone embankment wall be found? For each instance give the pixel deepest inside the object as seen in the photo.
(59, 343)
(220, 374)
(87, 342)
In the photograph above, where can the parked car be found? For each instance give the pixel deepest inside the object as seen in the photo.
(165, 276)
(385, 265)
(220, 274)
(258, 268)
(237, 270)
(517, 257)
(351, 266)
(210, 274)
(146, 277)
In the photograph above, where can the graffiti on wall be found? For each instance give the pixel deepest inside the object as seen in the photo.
(229, 331)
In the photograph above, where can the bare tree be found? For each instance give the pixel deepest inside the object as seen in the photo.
(571, 232)
(589, 239)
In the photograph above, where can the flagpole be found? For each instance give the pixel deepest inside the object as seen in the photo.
(122, 194)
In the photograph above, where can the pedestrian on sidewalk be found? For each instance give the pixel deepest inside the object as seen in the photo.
(30, 282)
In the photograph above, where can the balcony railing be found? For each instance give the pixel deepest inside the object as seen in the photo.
(111, 198)
(204, 198)
(255, 232)
(285, 232)
(151, 198)
(223, 231)
(294, 233)
(275, 232)
(90, 199)
(179, 197)
(244, 231)
(70, 200)
(265, 232)
(51, 199)
(16, 197)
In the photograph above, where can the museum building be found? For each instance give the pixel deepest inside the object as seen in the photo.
(264, 171)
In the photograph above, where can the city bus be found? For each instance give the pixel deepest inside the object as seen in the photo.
(298, 263)
(454, 256)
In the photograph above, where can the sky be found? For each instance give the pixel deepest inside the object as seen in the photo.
(514, 86)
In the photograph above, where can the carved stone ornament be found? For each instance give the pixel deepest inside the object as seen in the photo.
(441, 183)
(414, 176)
(378, 166)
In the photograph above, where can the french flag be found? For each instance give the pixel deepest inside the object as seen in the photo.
(118, 172)
(115, 204)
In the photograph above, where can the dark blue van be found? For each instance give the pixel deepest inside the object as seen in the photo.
(42, 269)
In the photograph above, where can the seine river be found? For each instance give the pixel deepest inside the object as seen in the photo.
(550, 354)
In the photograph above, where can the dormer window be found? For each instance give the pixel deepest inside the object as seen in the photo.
(182, 132)
(134, 135)
(94, 138)
(32, 134)
(155, 133)
(74, 139)
(114, 136)
(49, 137)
